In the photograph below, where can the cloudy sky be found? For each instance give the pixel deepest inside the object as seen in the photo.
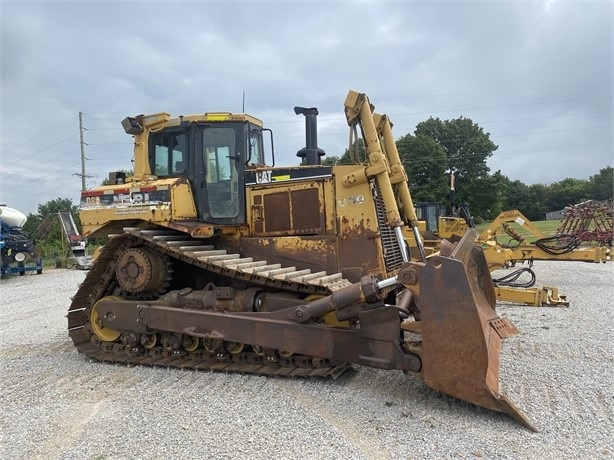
(536, 75)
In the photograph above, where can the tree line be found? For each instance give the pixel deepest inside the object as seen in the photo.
(438, 148)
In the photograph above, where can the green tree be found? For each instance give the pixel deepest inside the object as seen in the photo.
(467, 147)
(346, 159)
(601, 185)
(46, 229)
(425, 163)
(566, 192)
(517, 195)
(489, 192)
(330, 160)
(466, 144)
(537, 209)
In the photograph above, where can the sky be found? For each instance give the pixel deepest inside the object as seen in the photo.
(535, 75)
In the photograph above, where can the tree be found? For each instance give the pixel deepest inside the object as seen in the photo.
(425, 163)
(359, 151)
(467, 146)
(330, 160)
(45, 226)
(517, 195)
(537, 209)
(486, 196)
(601, 185)
(566, 192)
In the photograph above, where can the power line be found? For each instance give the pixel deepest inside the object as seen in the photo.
(42, 150)
(45, 132)
(106, 159)
(505, 152)
(459, 110)
(467, 93)
(400, 114)
(548, 117)
(384, 98)
(299, 121)
(110, 143)
(45, 162)
(440, 111)
(498, 135)
(508, 152)
(56, 183)
(505, 106)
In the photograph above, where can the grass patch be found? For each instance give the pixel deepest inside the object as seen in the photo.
(547, 227)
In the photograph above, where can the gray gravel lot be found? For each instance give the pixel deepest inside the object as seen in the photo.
(57, 404)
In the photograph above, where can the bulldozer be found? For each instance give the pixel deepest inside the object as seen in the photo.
(217, 260)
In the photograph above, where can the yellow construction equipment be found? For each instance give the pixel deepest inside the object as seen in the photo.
(506, 242)
(216, 260)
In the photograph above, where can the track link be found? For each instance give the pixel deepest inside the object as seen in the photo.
(100, 282)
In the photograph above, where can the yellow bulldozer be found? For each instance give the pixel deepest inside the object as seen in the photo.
(216, 260)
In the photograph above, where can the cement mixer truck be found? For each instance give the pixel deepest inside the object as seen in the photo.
(16, 248)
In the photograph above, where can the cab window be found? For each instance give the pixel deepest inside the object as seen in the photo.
(169, 154)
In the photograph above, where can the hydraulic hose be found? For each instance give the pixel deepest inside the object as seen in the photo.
(558, 244)
(511, 279)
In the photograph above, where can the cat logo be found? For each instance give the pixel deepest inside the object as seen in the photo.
(263, 177)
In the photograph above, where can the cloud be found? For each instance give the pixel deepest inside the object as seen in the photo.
(536, 75)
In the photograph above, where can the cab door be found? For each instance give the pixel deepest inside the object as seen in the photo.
(220, 187)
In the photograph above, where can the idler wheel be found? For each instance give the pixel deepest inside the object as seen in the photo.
(142, 270)
(103, 333)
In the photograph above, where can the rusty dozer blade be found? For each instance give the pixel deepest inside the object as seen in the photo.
(461, 332)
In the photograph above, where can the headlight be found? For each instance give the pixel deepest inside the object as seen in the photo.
(20, 257)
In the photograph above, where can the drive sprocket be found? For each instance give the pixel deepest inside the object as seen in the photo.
(142, 270)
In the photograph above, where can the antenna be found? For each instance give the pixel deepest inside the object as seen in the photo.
(243, 101)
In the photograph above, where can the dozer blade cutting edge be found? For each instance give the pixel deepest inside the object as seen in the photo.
(461, 332)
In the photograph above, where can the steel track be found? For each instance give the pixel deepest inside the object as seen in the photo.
(101, 282)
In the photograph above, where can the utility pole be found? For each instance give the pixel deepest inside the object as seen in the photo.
(82, 143)
(82, 151)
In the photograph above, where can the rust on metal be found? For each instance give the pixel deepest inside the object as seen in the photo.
(196, 229)
(461, 332)
(291, 210)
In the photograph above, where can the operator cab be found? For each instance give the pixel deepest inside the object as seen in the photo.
(212, 152)
(217, 153)
(430, 212)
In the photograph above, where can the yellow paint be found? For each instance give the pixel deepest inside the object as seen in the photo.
(182, 201)
(103, 333)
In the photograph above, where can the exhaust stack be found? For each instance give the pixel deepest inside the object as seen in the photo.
(310, 154)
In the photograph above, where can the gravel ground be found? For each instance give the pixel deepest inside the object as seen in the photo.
(57, 404)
